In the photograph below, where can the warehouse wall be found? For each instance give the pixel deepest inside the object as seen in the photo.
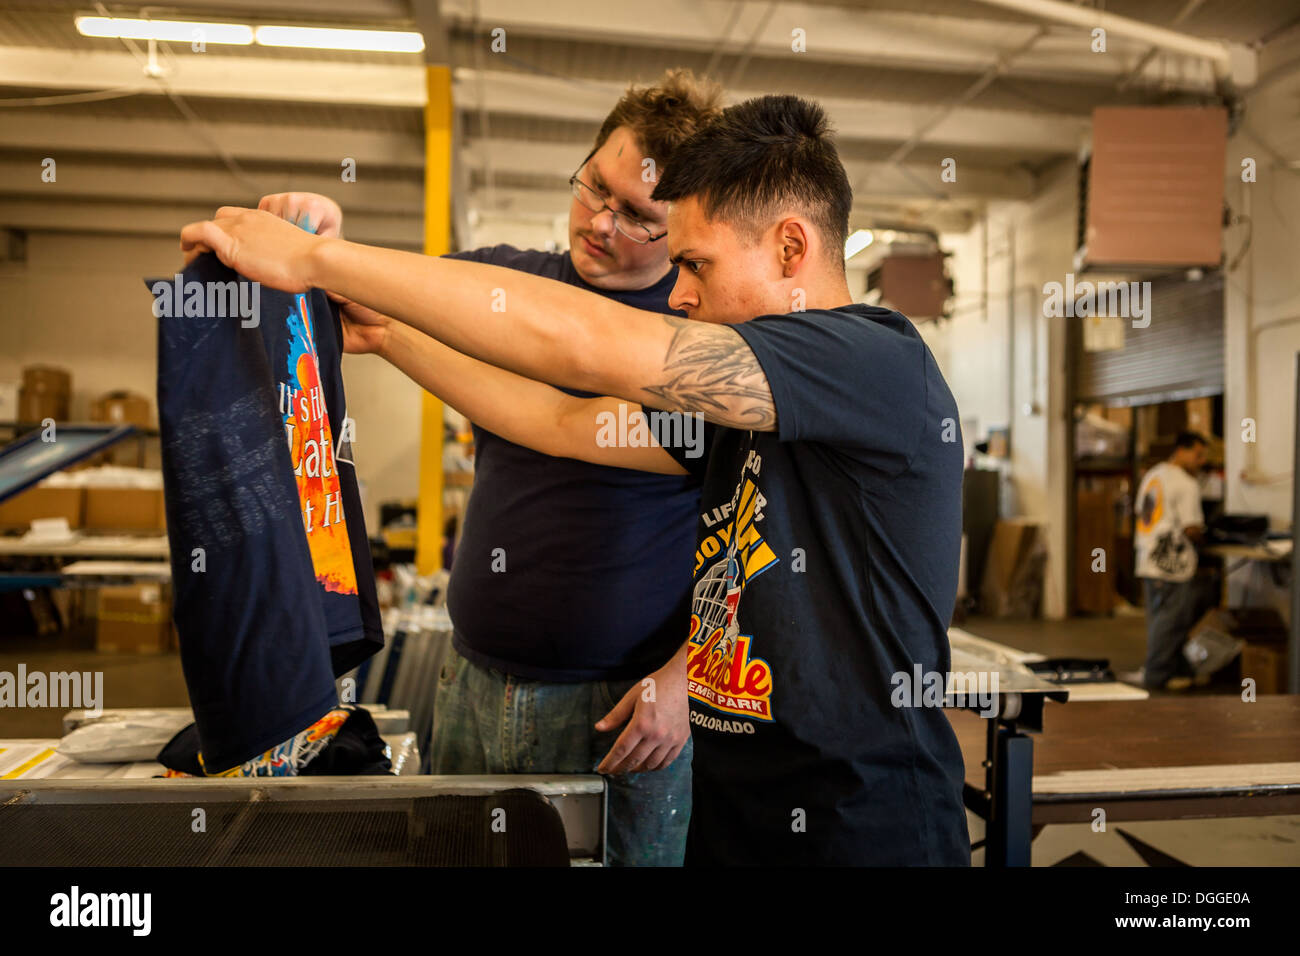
(492, 229)
(1262, 312)
(972, 347)
(1262, 309)
(1029, 243)
(78, 302)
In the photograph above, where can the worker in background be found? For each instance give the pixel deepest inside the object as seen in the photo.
(571, 583)
(1169, 526)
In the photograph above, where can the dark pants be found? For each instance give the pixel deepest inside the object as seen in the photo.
(1171, 612)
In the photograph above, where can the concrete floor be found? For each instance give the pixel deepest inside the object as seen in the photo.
(143, 680)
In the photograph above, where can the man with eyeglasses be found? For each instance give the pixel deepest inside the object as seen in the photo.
(572, 579)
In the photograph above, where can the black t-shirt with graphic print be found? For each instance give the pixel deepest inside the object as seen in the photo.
(827, 563)
(260, 484)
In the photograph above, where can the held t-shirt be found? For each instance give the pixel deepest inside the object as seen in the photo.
(565, 570)
(826, 565)
(273, 590)
(1169, 500)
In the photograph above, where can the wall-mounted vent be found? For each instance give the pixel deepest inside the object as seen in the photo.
(1153, 188)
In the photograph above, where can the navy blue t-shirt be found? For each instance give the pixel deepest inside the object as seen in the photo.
(274, 593)
(596, 584)
(826, 564)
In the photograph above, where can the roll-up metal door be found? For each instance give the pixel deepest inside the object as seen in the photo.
(1178, 356)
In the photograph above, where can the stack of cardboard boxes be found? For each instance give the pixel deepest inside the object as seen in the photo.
(1013, 571)
(43, 501)
(122, 408)
(125, 509)
(1264, 651)
(119, 510)
(46, 392)
(134, 619)
(130, 619)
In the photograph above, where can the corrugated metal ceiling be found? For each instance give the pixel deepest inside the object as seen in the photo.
(584, 62)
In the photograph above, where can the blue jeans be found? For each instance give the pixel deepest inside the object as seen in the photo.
(1170, 607)
(486, 721)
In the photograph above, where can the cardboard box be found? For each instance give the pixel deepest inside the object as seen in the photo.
(38, 406)
(1266, 665)
(1119, 414)
(46, 379)
(1200, 415)
(45, 393)
(134, 620)
(1013, 570)
(1255, 625)
(125, 509)
(8, 401)
(43, 502)
(122, 408)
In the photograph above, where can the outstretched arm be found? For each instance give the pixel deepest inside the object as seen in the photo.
(536, 327)
(520, 410)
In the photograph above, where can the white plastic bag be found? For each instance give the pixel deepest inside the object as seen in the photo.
(119, 739)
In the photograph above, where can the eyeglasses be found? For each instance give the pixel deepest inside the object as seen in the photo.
(624, 223)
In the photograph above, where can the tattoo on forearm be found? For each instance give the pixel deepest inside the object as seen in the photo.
(710, 369)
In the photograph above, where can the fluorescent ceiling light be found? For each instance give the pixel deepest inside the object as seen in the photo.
(857, 242)
(176, 31)
(185, 31)
(382, 41)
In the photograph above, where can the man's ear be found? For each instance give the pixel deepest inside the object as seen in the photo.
(794, 245)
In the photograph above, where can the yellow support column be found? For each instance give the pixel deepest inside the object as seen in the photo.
(437, 242)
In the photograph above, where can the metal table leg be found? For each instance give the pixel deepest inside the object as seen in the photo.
(1010, 821)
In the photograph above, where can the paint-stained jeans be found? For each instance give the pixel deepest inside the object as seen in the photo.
(486, 721)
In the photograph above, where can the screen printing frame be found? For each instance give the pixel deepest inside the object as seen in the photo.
(580, 799)
(98, 437)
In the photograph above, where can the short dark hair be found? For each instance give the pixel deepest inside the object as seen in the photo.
(1190, 439)
(760, 159)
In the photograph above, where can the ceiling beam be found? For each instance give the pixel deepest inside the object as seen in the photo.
(354, 12)
(211, 74)
(912, 179)
(90, 180)
(217, 74)
(854, 118)
(48, 133)
(126, 216)
(166, 219)
(117, 182)
(537, 205)
(948, 44)
(1215, 52)
(834, 34)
